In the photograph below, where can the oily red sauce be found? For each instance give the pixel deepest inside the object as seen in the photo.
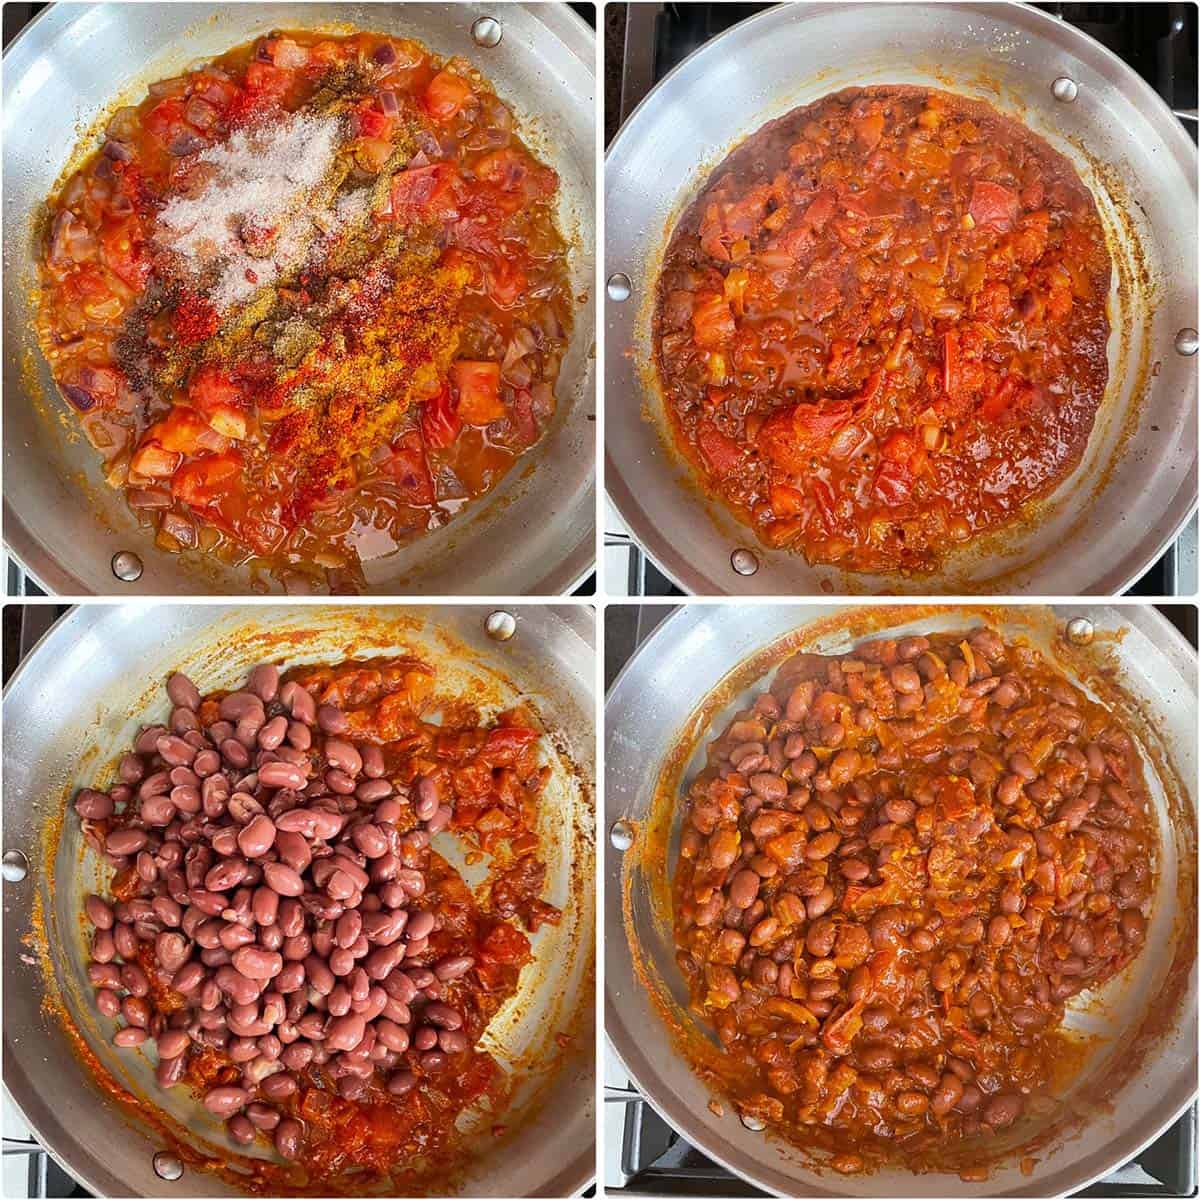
(896, 869)
(493, 771)
(308, 301)
(881, 328)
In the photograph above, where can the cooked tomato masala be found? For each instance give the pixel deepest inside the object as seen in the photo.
(881, 328)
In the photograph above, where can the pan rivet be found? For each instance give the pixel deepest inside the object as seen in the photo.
(126, 566)
(752, 1122)
(167, 1166)
(1187, 342)
(500, 625)
(487, 31)
(14, 866)
(1064, 89)
(619, 287)
(1080, 631)
(743, 561)
(621, 835)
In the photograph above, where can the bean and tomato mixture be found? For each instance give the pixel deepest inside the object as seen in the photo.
(279, 929)
(881, 329)
(896, 869)
(307, 301)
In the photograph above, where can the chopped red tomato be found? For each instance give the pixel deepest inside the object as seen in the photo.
(266, 79)
(371, 122)
(993, 205)
(517, 176)
(185, 430)
(478, 385)
(722, 454)
(155, 462)
(506, 282)
(214, 393)
(505, 943)
(440, 423)
(205, 480)
(165, 120)
(504, 743)
(712, 322)
(410, 469)
(422, 193)
(446, 94)
(786, 501)
(123, 253)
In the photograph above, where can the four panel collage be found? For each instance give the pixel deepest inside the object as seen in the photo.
(601, 599)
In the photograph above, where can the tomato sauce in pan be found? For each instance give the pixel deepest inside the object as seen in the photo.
(881, 328)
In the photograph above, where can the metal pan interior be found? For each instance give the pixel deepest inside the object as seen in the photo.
(653, 708)
(1137, 483)
(76, 62)
(74, 706)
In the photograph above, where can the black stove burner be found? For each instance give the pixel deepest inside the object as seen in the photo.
(1157, 40)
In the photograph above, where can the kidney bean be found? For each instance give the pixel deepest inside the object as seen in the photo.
(227, 874)
(103, 975)
(225, 1101)
(98, 912)
(257, 837)
(241, 989)
(288, 1138)
(175, 751)
(263, 1116)
(242, 1050)
(344, 1033)
(370, 840)
(189, 977)
(171, 950)
(371, 790)
(126, 841)
(170, 1071)
(282, 879)
(240, 1130)
(295, 1057)
(129, 1037)
(256, 963)
(182, 692)
(173, 1043)
(295, 821)
(92, 805)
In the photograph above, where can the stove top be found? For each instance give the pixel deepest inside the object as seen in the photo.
(644, 1156)
(644, 41)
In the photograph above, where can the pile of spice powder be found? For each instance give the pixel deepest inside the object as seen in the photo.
(245, 219)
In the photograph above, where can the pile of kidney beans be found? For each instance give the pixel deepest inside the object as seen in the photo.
(269, 887)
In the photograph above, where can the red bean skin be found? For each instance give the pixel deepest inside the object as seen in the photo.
(282, 879)
(288, 1137)
(225, 1101)
(256, 963)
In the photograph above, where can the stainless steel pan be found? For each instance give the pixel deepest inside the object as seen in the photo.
(664, 700)
(69, 710)
(533, 535)
(1137, 483)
